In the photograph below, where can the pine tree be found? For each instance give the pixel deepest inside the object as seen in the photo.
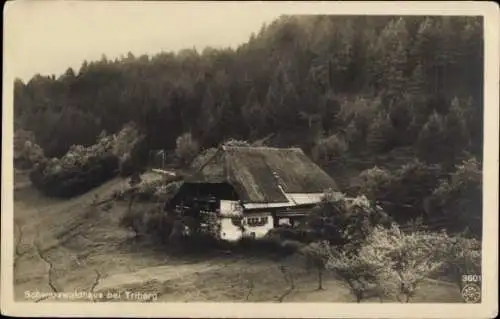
(416, 83)
(431, 139)
(400, 115)
(207, 121)
(254, 115)
(226, 118)
(456, 138)
(380, 134)
(423, 45)
(301, 65)
(395, 76)
(330, 110)
(391, 54)
(447, 55)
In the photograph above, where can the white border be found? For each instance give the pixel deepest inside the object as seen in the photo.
(489, 307)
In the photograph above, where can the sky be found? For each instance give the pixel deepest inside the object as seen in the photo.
(47, 37)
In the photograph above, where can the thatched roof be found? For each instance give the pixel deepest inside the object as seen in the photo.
(263, 174)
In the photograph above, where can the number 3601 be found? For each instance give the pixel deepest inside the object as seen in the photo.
(471, 278)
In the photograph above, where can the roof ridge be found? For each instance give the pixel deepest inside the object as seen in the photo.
(264, 174)
(226, 147)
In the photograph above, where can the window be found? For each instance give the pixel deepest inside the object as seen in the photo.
(236, 221)
(257, 221)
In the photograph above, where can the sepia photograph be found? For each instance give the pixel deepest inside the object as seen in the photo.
(260, 153)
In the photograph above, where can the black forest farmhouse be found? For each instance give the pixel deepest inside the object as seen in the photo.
(246, 191)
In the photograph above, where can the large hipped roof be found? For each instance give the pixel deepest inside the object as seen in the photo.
(263, 174)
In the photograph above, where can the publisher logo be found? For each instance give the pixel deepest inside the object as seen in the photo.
(471, 293)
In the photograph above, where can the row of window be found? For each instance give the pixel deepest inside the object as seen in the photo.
(250, 221)
(256, 221)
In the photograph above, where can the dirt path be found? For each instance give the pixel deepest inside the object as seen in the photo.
(160, 273)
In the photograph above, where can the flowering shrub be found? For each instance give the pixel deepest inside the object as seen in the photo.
(126, 146)
(391, 264)
(83, 168)
(401, 261)
(26, 152)
(459, 199)
(158, 190)
(30, 155)
(462, 256)
(125, 139)
(356, 272)
(316, 256)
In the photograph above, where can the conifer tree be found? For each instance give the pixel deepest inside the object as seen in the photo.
(380, 134)
(298, 74)
(456, 138)
(431, 139)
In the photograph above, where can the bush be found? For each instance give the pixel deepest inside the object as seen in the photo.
(127, 166)
(26, 152)
(263, 245)
(391, 263)
(316, 256)
(356, 272)
(128, 146)
(345, 223)
(125, 139)
(284, 233)
(459, 199)
(146, 191)
(401, 193)
(83, 168)
(329, 149)
(133, 219)
(201, 242)
(159, 224)
(462, 256)
(149, 221)
(54, 179)
(159, 190)
(372, 180)
(401, 261)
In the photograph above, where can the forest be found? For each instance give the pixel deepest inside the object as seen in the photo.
(343, 88)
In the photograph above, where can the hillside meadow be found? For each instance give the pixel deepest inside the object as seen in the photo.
(67, 245)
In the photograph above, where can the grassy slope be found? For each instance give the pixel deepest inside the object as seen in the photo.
(63, 246)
